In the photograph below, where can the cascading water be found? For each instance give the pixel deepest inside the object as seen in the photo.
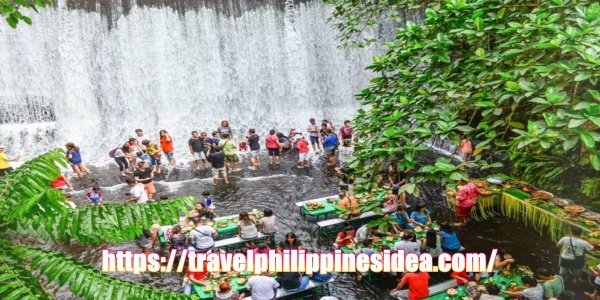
(103, 70)
(444, 147)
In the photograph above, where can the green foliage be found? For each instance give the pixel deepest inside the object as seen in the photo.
(114, 223)
(518, 77)
(16, 282)
(84, 280)
(25, 191)
(591, 188)
(11, 10)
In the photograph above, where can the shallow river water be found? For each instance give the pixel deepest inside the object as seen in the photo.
(279, 188)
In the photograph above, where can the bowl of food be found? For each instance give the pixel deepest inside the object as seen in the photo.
(574, 209)
(332, 200)
(528, 188)
(480, 183)
(541, 195)
(418, 229)
(495, 180)
(452, 292)
(222, 224)
(389, 238)
(208, 288)
(240, 281)
(485, 192)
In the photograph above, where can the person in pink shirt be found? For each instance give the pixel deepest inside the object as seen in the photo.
(466, 198)
(465, 148)
(302, 145)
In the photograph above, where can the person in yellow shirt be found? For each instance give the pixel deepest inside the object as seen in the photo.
(228, 147)
(5, 167)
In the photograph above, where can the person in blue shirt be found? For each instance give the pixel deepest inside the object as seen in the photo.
(330, 142)
(402, 219)
(421, 215)
(450, 242)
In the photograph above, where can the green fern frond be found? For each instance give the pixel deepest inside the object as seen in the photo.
(17, 282)
(591, 187)
(84, 280)
(25, 190)
(114, 223)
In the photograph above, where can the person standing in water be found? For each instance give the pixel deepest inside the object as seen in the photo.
(74, 158)
(465, 148)
(205, 140)
(224, 129)
(139, 136)
(5, 167)
(231, 158)
(346, 131)
(196, 145)
(154, 151)
(253, 141)
(166, 143)
(217, 160)
(313, 131)
(273, 147)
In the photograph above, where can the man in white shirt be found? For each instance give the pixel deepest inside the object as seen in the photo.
(262, 287)
(136, 192)
(139, 136)
(572, 253)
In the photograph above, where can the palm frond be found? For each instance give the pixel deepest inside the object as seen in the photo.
(17, 282)
(24, 191)
(84, 280)
(108, 222)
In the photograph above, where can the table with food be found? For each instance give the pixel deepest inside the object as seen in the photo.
(390, 239)
(505, 280)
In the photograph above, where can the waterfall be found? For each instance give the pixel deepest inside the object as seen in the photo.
(444, 147)
(96, 70)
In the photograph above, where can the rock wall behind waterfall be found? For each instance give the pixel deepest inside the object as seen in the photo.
(102, 69)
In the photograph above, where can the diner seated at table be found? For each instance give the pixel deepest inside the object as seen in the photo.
(246, 227)
(262, 287)
(432, 244)
(421, 216)
(349, 202)
(202, 211)
(344, 237)
(463, 277)
(291, 242)
(503, 261)
(450, 242)
(554, 285)
(491, 293)
(368, 249)
(191, 278)
(293, 281)
(201, 238)
(262, 248)
(532, 290)
(403, 221)
(225, 293)
(408, 243)
(391, 204)
(418, 286)
(365, 232)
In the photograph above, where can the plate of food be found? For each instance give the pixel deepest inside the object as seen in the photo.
(452, 292)
(574, 209)
(541, 195)
(495, 180)
(528, 188)
(208, 288)
(450, 193)
(591, 216)
(480, 183)
(559, 202)
(389, 238)
(241, 281)
(485, 192)
(222, 224)
(418, 229)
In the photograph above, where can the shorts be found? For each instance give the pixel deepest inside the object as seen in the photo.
(170, 155)
(597, 288)
(314, 140)
(303, 156)
(149, 187)
(5, 172)
(254, 153)
(95, 201)
(217, 171)
(75, 164)
(231, 158)
(274, 152)
(329, 152)
(199, 155)
(155, 160)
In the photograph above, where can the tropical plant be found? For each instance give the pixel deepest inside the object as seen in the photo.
(28, 205)
(518, 77)
(11, 10)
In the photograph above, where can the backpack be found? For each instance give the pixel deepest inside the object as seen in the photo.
(112, 152)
